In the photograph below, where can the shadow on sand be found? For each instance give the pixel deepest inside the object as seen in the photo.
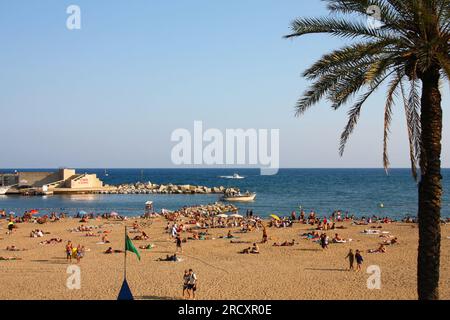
(154, 298)
(311, 250)
(325, 269)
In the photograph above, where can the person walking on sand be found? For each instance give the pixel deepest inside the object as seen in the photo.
(186, 278)
(351, 258)
(69, 251)
(174, 232)
(178, 242)
(192, 284)
(359, 260)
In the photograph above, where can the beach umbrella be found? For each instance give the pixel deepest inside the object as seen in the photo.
(275, 217)
(222, 215)
(113, 214)
(34, 211)
(82, 213)
(12, 213)
(236, 216)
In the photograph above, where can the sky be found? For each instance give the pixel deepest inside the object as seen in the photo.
(110, 94)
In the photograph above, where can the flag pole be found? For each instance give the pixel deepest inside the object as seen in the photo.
(125, 256)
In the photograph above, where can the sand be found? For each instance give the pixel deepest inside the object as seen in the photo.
(303, 271)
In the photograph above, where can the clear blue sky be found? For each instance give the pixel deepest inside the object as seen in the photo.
(110, 94)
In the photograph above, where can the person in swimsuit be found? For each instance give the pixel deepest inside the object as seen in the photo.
(265, 237)
(69, 251)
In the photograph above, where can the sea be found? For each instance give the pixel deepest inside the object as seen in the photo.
(361, 192)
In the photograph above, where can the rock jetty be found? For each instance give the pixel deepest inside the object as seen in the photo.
(151, 188)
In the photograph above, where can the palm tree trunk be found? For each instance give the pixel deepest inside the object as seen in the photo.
(430, 187)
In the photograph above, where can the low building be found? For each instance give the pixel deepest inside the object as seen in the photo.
(64, 180)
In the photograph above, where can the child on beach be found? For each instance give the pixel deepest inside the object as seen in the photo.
(10, 227)
(324, 241)
(359, 260)
(351, 258)
(80, 253)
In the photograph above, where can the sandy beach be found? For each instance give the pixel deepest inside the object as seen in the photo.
(303, 271)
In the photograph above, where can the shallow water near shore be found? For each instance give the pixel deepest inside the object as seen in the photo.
(358, 191)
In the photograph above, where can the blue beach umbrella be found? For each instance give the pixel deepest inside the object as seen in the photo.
(82, 213)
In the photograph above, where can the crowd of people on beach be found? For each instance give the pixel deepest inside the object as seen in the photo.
(196, 222)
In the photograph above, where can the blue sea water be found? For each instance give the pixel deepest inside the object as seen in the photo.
(358, 191)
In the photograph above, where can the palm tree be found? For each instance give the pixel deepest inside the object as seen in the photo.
(402, 45)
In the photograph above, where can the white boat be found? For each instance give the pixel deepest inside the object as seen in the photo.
(234, 176)
(247, 197)
(3, 190)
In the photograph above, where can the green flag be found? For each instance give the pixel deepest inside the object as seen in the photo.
(129, 246)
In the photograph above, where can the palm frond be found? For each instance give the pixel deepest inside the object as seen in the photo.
(334, 26)
(392, 90)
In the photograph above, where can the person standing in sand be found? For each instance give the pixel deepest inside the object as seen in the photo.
(265, 237)
(351, 258)
(186, 278)
(324, 241)
(359, 260)
(69, 251)
(192, 283)
(178, 243)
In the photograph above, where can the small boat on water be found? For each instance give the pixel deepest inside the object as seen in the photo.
(246, 197)
(234, 176)
(3, 190)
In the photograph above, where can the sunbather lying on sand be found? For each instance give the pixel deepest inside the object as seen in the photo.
(338, 239)
(381, 249)
(284, 244)
(173, 258)
(14, 248)
(314, 235)
(51, 241)
(9, 258)
(390, 242)
(91, 234)
(146, 247)
(110, 251)
(36, 233)
(370, 231)
(144, 236)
